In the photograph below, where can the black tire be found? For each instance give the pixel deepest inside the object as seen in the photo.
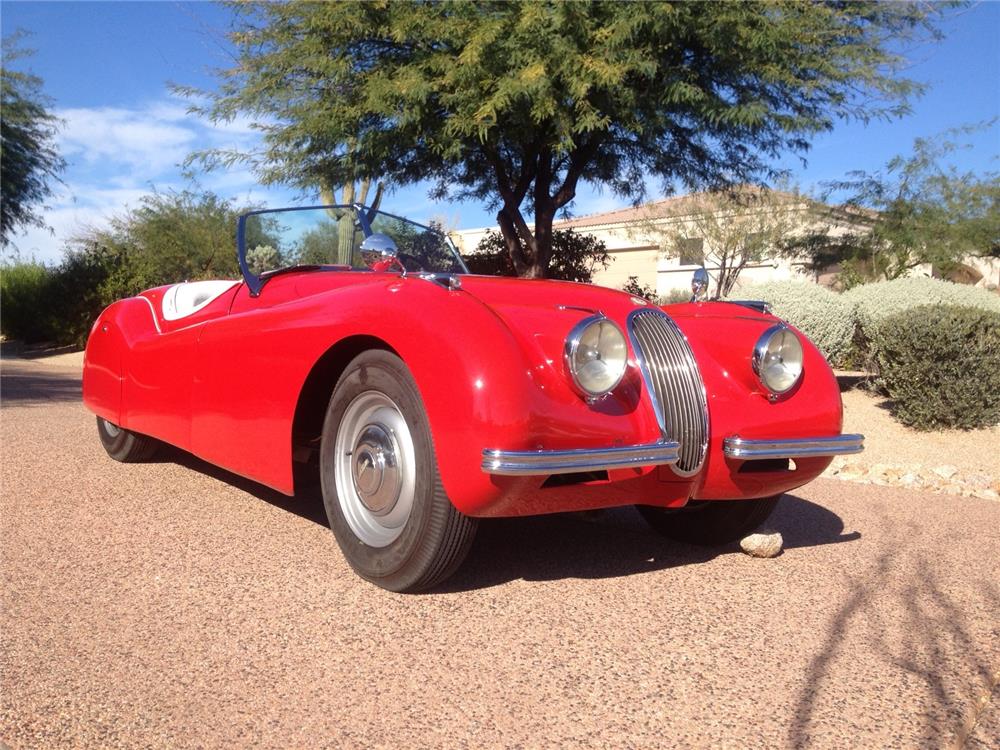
(434, 537)
(124, 445)
(710, 523)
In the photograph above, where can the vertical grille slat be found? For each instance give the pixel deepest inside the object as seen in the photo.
(674, 382)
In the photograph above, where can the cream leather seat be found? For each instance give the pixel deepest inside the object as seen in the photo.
(181, 300)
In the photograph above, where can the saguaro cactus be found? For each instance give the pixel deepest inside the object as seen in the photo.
(345, 217)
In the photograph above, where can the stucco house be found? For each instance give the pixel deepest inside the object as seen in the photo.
(663, 242)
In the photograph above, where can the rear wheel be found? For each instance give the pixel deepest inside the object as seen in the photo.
(711, 522)
(124, 445)
(381, 488)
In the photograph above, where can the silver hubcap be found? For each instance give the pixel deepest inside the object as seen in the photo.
(376, 469)
(111, 429)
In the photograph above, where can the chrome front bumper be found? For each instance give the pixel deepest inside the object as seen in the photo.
(527, 463)
(751, 450)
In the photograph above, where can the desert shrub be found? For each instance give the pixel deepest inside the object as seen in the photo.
(676, 296)
(940, 365)
(824, 316)
(24, 295)
(633, 287)
(873, 303)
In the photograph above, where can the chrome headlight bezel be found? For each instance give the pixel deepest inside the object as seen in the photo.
(759, 361)
(571, 349)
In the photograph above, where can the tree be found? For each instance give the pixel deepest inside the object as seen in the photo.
(915, 210)
(176, 236)
(575, 256)
(29, 161)
(725, 231)
(515, 103)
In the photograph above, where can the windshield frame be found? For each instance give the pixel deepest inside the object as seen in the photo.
(256, 282)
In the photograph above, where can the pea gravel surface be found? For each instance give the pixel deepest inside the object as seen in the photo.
(171, 604)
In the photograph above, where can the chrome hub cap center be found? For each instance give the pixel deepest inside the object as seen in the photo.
(376, 470)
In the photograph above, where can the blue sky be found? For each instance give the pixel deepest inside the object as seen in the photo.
(107, 67)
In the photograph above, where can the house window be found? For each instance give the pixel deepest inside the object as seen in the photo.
(692, 251)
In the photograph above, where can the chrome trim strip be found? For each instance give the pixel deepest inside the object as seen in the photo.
(533, 463)
(751, 450)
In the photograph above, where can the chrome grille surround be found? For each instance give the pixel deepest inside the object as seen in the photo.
(674, 382)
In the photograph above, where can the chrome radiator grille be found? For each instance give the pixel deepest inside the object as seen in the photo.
(674, 383)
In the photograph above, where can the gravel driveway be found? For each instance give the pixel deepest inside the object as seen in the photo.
(172, 604)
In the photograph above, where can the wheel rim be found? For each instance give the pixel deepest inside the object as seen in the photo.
(111, 429)
(375, 469)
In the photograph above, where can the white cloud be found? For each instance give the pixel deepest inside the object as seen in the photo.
(115, 155)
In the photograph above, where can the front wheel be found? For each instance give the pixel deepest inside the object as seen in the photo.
(710, 523)
(381, 488)
(124, 445)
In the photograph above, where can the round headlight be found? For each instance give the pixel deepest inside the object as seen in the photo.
(596, 355)
(777, 359)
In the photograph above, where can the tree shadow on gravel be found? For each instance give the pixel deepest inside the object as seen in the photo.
(27, 387)
(935, 635)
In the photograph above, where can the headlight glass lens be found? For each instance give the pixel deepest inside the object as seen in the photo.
(596, 355)
(777, 359)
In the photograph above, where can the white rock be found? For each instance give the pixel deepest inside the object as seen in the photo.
(945, 472)
(767, 544)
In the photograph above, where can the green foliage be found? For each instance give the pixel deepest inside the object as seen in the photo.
(263, 258)
(576, 258)
(872, 303)
(824, 316)
(915, 210)
(940, 365)
(23, 298)
(170, 238)
(516, 102)
(179, 236)
(29, 161)
(633, 287)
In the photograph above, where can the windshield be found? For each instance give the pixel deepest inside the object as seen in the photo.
(331, 236)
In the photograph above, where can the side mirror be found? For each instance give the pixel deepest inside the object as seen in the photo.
(379, 252)
(699, 285)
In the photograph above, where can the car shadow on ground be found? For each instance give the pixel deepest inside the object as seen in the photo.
(614, 543)
(595, 544)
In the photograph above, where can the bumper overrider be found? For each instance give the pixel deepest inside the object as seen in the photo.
(537, 463)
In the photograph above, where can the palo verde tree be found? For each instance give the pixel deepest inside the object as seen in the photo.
(918, 209)
(515, 103)
(29, 160)
(725, 231)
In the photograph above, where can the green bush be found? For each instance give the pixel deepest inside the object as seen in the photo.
(873, 303)
(940, 365)
(633, 287)
(824, 316)
(24, 295)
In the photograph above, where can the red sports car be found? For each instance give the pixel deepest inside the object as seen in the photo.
(426, 398)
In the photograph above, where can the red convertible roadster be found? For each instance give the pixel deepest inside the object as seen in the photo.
(426, 398)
